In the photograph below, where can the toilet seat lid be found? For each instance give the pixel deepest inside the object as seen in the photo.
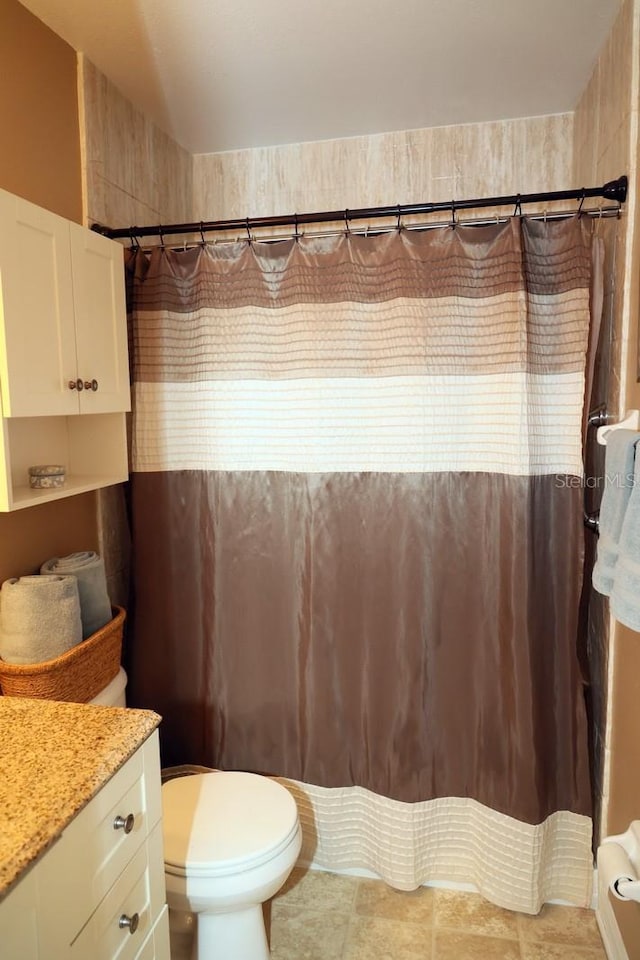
(224, 822)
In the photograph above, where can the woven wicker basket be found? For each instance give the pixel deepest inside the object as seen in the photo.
(78, 675)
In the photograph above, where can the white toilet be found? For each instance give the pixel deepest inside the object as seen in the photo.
(113, 695)
(231, 840)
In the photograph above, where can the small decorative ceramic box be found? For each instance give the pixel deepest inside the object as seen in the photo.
(47, 475)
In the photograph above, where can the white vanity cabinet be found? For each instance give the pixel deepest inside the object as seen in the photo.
(98, 893)
(64, 369)
(19, 920)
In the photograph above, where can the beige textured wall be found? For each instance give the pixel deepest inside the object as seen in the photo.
(435, 164)
(134, 174)
(603, 148)
(606, 145)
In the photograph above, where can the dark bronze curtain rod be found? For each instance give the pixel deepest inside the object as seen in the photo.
(615, 190)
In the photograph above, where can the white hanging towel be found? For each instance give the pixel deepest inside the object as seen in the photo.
(619, 473)
(625, 596)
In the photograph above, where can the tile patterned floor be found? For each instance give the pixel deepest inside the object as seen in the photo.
(324, 916)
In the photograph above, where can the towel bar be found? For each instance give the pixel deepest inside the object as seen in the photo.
(600, 418)
(592, 521)
(630, 422)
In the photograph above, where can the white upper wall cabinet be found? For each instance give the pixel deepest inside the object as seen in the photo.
(97, 268)
(64, 366)
(63, 335)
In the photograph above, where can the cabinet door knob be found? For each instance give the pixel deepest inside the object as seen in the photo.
(124, 823)
(91, 385)
(131, 922)
(76, 385)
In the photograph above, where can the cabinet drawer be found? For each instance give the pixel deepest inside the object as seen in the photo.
(91, 854)
(138, 897)
(147, 950)
(99, 851)
(156, 946)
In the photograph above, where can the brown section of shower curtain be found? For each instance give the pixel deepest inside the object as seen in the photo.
(434, 303)
(470, 262)
(412, 634)
(600, 390)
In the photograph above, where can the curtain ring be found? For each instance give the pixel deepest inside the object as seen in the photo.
(581, 202)
(453, 215)
(517, 210)
(161, 236)
(249, 237)
(202, 240)
(399, 224)
(296, 235)
(347, 231)
(135, 243)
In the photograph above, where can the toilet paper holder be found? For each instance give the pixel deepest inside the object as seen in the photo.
(627, 887)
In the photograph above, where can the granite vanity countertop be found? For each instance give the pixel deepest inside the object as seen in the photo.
(54, 757)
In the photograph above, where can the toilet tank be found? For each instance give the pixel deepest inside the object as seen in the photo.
(113, 695)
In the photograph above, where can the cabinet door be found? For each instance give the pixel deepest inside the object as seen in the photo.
(37, 336)
(19, 922)
(101, 323)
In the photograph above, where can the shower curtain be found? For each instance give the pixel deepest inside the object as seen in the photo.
(358, 543)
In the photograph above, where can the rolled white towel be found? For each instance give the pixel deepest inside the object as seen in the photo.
(39, 618)
(88, 567)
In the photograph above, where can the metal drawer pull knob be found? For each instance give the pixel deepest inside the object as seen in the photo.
(91, 385)
(131, 922)
(126, 824)
(76, 385)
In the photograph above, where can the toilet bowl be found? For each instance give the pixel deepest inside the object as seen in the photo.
(231, 840)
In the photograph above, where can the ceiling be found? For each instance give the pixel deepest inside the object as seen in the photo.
(228, 74)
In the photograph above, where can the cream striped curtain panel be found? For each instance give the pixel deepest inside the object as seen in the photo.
(358, 539)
